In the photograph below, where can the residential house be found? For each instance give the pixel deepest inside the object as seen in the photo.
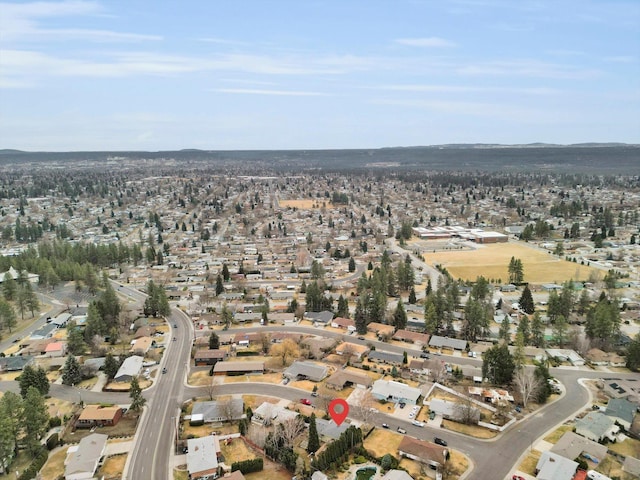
(395, 392)
(144, 331)
(15, 364)
(219, 411)
(318, 475)
(46, 331)
(56, 349)
(418, 366)
(381, 329)
(412, 337)
(306, 371)
(631, 466)
(437, 341)
(597, 357)
(552, 466)
(271, 413)
(344, 323)
(278, 337)
(61, 320)
(455, 411)
(142, 345)
(130, 368)
(99, 415)
(622, 388)
(328, 430)
(352, 349)
(572, 445)
(347, 378)
(202, 457)
(423, 452)
(205, 356)
(83, 459)
(385, 357)
(621, 411)
(396, 475)
(565, 355)
(319, 318)
(238, 368)
(597, 426)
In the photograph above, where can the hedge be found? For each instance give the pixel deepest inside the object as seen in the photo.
(248, 466)
(38, 462)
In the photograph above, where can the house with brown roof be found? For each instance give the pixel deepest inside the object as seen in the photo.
(144, 331)
(352, 349)
(56, 349)
(598, 357)
(344, 324)
(205, 356)
(347, 378)
(238, 368)
(381, 329)
(142, 345)
(99, 415)
(423, 452)
(412, 337)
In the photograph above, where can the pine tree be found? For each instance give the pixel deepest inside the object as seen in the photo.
(219, 285)
(314, 440)
(352, 265)
(71, 371)
(524, 329)
(135, 393)
(7, 315)
(214, 341)
(33, 377)
(504, 332)
(9, 287)
(537, 331)
(412, 296)
(35, 418)
(111, 366)
(400, 317)
(343, 307)
(526, 301)
(360, 319)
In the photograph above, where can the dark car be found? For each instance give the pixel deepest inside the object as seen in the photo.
(384, 425)
(175, 325)
(425, 355)
(164, 370)
(440, 441)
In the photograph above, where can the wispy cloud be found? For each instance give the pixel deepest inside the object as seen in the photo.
(425, 42)
(22, 22)
(471, 89)
(622, 59)
(288, 93)
(531, 68)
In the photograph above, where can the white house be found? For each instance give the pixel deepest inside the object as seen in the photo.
(83, 459)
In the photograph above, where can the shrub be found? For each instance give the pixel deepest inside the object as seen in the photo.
(359, 459)
(248, 466)
(32, 471)
(52, 441)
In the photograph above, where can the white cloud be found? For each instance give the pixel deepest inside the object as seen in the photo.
(530, 68)
(621, 59)
(471, 89)
(425, 42)
(249, 91)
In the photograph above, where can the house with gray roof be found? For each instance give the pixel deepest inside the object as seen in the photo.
(15, 364)
(82, 460)
(323, 317)
(328, 430)
(61, 320)
(46, 331)
(202, 457)
(437, 341)
(385, 357)
(219, 411)
(306, 371)
(395, 392)
(552, 466)
(622, 411)
(596, 426)
(397, 475)
(130, 368)
(571, 446)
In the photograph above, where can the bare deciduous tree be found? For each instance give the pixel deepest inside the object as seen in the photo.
(466, 412)
(289, 430)
(437, 370)
(265, 342)
(527, 384)
(286, 350)
(365, 407)
(210, 389)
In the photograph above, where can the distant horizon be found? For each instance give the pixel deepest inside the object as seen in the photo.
(446, 145)
(98, 75)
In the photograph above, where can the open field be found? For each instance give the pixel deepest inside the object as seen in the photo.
(113, 467)
(493, 261)
(305, 203)
(236, 450)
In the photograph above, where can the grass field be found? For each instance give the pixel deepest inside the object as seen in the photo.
(54, 466)
(492, 261)
(305, 203)
(382, 441)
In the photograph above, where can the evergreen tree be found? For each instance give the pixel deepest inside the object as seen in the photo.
(360, 318)
(7, 315)
(504, 333)
(135, 393)
(35, 419)
(33, 377)
(352, 265)
(526, 301)
(219, 285)
(111, 366)
(560, 328)
(498, 365)
(542, 375)
(633, 354)
(214, 341)
(313, 445)
(75, 339)
(400, 317)
(524, 329)
(225, 273)
(537, 331)
(429, 288)
(412, 296)
(71, 371)
(343, 307)
(9, 287)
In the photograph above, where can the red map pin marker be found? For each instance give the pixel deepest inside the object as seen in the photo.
(338, 409)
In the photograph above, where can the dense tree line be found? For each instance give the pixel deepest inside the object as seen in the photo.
(337, 452)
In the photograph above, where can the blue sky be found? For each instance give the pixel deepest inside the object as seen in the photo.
(289, 74)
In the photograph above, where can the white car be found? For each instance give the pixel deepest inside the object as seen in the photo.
(418, 424)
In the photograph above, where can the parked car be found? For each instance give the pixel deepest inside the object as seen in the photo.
(440, 441)
(517, 477)
(418, 424)
(175, 325)
(164, 370)
(314, 394)
(402, 404)
(305, 401)
(401, 430)
(285, 381)
(384, 425)
(425, 355)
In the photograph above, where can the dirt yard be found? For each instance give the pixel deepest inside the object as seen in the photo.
(54, 467)
(113, 467)
(383, 441)
(306, 204)
(236, 450)
(126, 427)
(493, 262)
